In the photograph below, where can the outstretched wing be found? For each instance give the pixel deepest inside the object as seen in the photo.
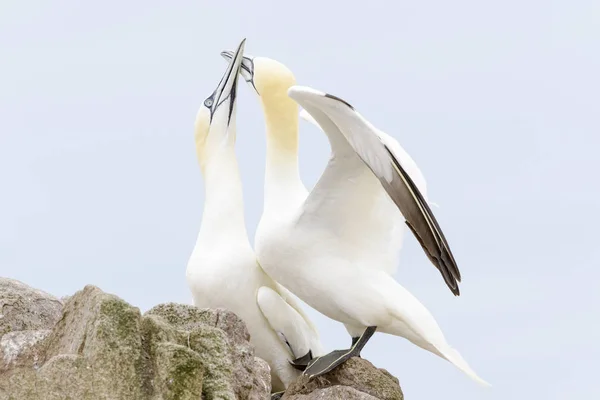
(386, 163)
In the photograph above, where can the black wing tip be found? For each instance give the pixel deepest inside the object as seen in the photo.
(448, 260)
(450, 274)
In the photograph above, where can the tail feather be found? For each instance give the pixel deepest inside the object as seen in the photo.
(414, 322)
(454, 357)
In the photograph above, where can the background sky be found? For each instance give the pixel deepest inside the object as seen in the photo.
(498, 103)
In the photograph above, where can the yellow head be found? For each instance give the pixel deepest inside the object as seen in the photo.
(270, 80)
(215, 121)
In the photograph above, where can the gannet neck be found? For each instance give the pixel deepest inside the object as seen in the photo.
(223, 214)
(282, 177)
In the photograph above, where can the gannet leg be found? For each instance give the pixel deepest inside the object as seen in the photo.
(354, 340)
(324, 364)
(301, 363)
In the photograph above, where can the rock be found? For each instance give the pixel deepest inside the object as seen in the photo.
(103, 348)
(93, 345)
(221, 339)
(24, 308)
(334, 392)
(180, 372)
(26, 317)
(22, 348)
(356, 379)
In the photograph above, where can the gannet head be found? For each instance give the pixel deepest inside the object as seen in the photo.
(269, 79)
(215, 121)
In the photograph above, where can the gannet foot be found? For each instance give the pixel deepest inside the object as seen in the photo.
(324, 364)
(301, 363)
(277, 395)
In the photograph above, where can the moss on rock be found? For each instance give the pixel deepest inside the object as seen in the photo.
(179, 372)
(103, 348)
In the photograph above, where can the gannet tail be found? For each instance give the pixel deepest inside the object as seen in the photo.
(414, 322)
(454, 357)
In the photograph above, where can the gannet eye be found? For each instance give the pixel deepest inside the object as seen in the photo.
(208, 103)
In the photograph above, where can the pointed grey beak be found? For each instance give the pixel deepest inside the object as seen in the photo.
(247, 70)
(227, 88)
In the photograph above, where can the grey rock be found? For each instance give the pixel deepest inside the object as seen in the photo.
(103, 348)
(22, 348)
(180, 372)
(24, 308)
(221, 339)
(355, 379)
(100, 347)
(334, 392)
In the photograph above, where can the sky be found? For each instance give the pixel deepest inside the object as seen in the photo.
(497, 102)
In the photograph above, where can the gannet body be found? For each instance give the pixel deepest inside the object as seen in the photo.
(222, 271)
(383, 228)
(314, 246)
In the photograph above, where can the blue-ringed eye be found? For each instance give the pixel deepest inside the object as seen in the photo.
(208, 103)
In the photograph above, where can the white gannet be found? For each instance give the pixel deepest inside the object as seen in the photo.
(222, 270)
(382, 229)
(313, 246)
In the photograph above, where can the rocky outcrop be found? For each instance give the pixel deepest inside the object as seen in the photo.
(23, 308)
(356, 379)
(93, 345)
(103, 348)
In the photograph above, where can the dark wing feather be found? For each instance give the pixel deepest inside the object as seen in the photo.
(421, 221)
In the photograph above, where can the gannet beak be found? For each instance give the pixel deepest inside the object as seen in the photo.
(247, 70)
(226, 90)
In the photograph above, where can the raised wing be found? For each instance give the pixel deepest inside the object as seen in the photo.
(293, 329)
(410, 166)
(349, 204)
(387, 165)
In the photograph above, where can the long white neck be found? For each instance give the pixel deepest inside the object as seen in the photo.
(223, 215)
(283, 186)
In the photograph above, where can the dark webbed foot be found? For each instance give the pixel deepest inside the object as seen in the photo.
(302, 362)
(324, 364)
(276, 396)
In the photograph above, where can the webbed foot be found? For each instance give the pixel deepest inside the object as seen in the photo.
(301, 363)
(324, 364)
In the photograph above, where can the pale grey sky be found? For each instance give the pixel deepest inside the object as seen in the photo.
(498, 102)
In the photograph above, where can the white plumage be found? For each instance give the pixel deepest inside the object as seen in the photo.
(222, 270)
(336, 247)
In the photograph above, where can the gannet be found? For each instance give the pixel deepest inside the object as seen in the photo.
(222, 270)
(283, 186)
(312, 245)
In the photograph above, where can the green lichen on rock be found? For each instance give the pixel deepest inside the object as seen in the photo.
(179, 372)
(100, 347)
(212, 346)
(210, 343)
(187, 317)
(105, 330)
